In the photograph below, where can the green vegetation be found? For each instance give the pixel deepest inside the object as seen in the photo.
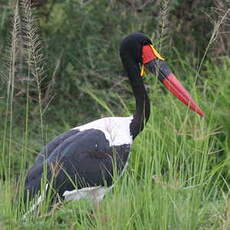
(60, 67)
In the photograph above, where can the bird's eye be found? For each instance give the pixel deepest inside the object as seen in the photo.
(145, 43)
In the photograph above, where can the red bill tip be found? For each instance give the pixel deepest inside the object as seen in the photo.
(176, 88)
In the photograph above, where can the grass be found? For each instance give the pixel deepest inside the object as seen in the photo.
(178, 176)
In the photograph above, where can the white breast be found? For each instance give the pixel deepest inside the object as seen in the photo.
(116, 129)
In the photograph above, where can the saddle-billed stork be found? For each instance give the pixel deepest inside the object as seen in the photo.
(80, 163)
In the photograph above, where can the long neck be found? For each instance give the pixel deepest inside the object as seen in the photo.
(142, 112)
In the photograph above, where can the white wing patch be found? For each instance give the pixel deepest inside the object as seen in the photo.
(92, 193)
(116, 129)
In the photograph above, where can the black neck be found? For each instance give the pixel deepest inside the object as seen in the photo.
(141, 115)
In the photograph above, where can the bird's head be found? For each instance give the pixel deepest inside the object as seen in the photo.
(137, 53)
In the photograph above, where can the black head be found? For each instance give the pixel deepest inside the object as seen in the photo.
(131, 53)
(136, 49)
(131, 47)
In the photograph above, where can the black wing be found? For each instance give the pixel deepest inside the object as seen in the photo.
(49, 148)
(84, 159)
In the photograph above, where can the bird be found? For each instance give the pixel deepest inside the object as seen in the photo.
(81, 162)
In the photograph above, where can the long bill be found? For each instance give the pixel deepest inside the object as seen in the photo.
(156, 64)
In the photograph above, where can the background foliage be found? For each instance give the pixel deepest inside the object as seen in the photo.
(60, 66)
(80, 42)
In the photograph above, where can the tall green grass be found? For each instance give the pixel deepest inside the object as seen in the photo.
(178, 176)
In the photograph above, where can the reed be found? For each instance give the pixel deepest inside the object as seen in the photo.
(178, 176)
